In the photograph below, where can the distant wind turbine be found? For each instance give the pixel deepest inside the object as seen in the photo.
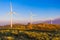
(31, 20)
(51, 21)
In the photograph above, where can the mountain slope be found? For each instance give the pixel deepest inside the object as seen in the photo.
(55, 21)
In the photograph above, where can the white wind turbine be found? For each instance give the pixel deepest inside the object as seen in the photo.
(11, 14)
(31, 19)
(51, 21)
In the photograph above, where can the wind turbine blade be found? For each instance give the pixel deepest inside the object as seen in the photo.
(32, 14)
(10, 7)
(15, 13)
(8, 13)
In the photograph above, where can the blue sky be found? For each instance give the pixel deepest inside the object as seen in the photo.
(43, 9)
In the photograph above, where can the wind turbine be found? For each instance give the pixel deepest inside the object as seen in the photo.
(51, 20)
(31, 20)
(11, 14)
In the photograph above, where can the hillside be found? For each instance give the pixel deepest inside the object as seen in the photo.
(41, 26)
(54, 21)
(42, 31)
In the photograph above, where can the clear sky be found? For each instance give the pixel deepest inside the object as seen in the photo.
(42, 9)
